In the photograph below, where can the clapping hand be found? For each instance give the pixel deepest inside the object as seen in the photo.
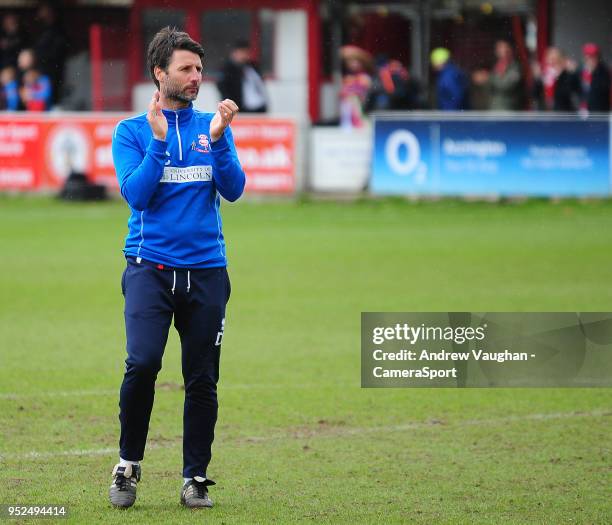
(157, 119)
(226, 111)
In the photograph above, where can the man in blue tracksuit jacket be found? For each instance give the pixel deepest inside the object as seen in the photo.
(174, 164)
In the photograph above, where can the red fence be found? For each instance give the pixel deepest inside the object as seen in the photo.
(39, 151)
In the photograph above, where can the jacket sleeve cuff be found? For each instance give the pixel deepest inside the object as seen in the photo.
(157, 148)
(220, 144)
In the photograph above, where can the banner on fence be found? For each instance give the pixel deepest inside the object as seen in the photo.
(512, 156)
(40, 151)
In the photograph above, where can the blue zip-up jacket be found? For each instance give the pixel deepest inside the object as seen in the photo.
(452, 88)
(173, 188)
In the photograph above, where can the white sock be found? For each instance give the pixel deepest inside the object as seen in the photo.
(186, 480)
(126, 462)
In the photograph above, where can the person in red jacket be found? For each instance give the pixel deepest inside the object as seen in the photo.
(595, 80)
(36, 91)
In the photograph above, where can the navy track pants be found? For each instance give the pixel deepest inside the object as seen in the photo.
(196, 299)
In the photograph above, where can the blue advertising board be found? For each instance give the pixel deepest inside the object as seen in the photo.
(484, 155)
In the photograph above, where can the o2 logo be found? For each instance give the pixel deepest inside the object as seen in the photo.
(403, 155)
(168, 155)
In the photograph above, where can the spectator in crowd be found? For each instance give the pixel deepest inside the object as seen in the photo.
(392, 88)
(451, 84)
(10, 89)
(36, 91)
(557, 86)
(36, 88)
(50, 47)
(356, 84)
(595, 79)
(242, 82)
(25, 61)
(504, 82)
(12, 40)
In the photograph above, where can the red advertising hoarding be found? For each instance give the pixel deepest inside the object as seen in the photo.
(40, 151)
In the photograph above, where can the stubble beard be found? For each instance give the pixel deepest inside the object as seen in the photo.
(172, 91)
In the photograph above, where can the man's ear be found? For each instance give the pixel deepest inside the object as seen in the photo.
(160, 74)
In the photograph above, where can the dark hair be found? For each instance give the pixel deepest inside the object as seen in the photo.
(163, 45)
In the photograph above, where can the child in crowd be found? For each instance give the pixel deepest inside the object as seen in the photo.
(10, 89)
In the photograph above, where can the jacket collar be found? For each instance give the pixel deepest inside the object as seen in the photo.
(183, 114)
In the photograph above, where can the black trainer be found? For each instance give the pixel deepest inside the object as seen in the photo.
(195, 493)
(122, 492)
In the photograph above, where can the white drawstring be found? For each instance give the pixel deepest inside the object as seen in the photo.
(188, 280)
(173, 281)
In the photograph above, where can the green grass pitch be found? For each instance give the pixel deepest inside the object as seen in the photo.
(298, 440)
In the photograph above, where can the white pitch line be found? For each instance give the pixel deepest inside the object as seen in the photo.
(115, 392)
(65, 393)
(334, 431)
(80, 452)
(480, 422)
(330, 431)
